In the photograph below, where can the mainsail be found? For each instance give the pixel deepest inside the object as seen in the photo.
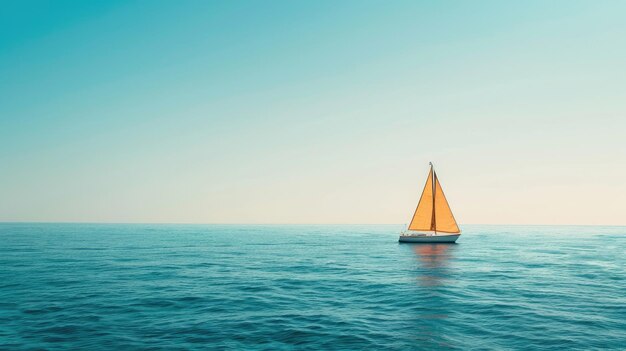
(433, 213)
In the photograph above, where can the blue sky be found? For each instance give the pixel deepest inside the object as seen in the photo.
(312, 112)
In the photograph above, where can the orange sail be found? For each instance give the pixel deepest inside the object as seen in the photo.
(423, 216)
(444, 219)
(433, 212)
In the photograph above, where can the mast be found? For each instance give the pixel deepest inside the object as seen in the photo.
(433, 225)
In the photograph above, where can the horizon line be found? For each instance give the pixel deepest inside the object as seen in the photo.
(294, 224)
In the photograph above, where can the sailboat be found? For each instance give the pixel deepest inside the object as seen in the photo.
(433, 221)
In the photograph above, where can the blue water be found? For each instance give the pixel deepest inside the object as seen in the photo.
(194, 287)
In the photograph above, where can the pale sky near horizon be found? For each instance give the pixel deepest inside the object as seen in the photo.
(312, 111)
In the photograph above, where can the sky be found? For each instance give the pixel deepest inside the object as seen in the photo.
(312, 111)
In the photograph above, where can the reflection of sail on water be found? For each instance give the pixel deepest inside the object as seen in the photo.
(433, 255)
(431, 295)
(434, 260)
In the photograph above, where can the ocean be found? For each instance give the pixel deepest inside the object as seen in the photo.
(309, 287)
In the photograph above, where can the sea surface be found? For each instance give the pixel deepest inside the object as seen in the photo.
(343, 287)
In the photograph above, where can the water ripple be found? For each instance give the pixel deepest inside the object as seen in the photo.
(193, 287)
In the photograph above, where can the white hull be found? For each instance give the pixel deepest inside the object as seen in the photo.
(423, 238)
